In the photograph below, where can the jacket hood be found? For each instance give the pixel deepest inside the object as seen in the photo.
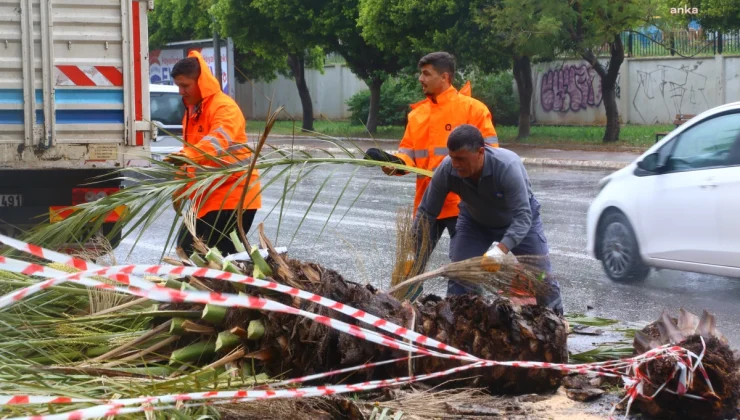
(466, 90)
(207, 83)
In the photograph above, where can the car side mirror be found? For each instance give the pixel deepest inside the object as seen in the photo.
(650, 163)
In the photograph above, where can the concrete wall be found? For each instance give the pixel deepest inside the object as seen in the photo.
(567, 92)
(660, 89)
(732, 79)
(329, 93)
(650, 90)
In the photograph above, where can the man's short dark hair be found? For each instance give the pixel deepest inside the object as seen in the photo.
(466, 137)
(443, 62)
(188, 67)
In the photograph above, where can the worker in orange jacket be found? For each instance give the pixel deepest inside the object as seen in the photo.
(424, 144)
(214, 132)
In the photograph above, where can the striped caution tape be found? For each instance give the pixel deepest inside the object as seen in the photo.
(122, 274)
(117, 407)
(629, 369)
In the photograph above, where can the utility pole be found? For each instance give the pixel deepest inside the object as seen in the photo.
(217, 55)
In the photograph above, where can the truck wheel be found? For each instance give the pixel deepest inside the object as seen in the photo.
(620, 252)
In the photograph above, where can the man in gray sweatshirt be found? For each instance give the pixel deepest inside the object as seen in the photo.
(497, 206)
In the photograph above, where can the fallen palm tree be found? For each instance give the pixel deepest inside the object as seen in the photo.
(631, 370)
(278, 343)
(185, 335)
(687, 391)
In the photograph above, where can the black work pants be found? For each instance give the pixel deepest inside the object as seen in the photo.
(214, 229)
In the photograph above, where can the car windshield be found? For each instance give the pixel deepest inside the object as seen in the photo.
(167, 108)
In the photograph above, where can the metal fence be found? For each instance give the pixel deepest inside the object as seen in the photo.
(689, 43)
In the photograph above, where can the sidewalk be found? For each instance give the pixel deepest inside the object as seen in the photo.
(566, 157)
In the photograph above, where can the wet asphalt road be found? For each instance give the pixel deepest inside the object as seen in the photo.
(361, 246)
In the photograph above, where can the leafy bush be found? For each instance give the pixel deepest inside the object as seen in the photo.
(395, 97)
(497, 92)
(494, 90)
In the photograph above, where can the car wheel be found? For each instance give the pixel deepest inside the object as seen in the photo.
(620, 253)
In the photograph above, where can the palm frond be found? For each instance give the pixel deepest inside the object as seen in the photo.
(155, 187)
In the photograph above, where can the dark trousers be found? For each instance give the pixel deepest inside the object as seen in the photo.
(214, 229)
(435, 234)
(473, 240)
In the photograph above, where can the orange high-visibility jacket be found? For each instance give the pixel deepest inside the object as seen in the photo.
(216, 128)
(424, 143)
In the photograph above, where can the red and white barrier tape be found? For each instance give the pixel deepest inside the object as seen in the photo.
(685, 366)
(122, 274)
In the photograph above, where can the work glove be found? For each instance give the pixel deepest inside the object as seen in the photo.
(175, 159)
(494, 258)
(379, 155)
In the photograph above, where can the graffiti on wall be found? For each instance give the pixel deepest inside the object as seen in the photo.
(666, 91)
(572, 88)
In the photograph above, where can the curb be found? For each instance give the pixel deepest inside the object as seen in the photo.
(548, 162)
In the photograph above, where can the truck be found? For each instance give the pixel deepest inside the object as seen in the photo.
(74, 105)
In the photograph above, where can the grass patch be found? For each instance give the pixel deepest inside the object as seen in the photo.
(630, 135)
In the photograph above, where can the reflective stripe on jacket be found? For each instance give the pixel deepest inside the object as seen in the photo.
(424, 143)
(217, 130)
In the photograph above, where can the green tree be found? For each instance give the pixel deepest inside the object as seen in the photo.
(174, 20)
(409, 29)
(713, 15)
(526, 29)
(263, 47)
(333, 25)
(591, 24)
(266, 38)
(412, 28)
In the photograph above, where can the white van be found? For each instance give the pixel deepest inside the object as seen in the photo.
(167, 111)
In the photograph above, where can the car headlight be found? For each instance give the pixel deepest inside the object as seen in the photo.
(602, 183)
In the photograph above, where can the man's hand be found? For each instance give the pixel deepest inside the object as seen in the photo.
(379, 155)
(174, 159)
(389, 170)
(497, 256)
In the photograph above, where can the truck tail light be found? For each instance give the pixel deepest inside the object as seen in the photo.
(82, 196)
(88, 195)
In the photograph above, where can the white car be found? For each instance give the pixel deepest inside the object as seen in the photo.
(167, 111)
(677, 206)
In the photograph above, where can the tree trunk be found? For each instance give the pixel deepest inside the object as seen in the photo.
(523, 76)
(298, 66)
(608, 85)
(372, 117)
(488, 327)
